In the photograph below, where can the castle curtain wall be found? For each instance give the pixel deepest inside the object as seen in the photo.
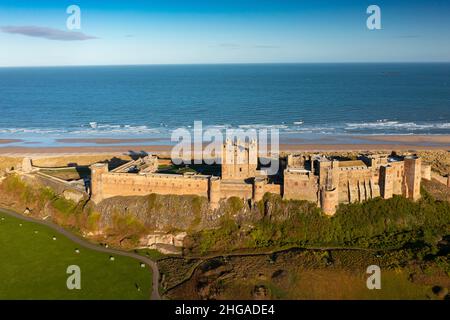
(117, 184)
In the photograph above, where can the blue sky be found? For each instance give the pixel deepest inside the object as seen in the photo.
(33, 33)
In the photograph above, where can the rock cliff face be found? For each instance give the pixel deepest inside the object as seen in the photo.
(170, 213)
(164, 213)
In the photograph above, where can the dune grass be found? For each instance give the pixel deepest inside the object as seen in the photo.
(33, 266)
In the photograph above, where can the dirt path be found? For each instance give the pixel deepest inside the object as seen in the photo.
(84, 243)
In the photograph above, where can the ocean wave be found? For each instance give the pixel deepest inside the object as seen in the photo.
(397, 126)
(263, 126)
(91, 129)
(32, 131)
(101, 129)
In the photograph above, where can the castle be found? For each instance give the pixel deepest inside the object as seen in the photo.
(319, 179)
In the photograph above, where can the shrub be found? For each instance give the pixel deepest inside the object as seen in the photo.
(377, 223)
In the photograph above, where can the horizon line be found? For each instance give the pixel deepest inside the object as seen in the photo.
(222, 63)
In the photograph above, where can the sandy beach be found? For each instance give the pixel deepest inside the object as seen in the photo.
(427, 139)
(163, 145)
(8, 141)
(166, 149)
(108, 141)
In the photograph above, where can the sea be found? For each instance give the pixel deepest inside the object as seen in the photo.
(47, 105)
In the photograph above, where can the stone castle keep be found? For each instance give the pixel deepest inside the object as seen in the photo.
(323, 180)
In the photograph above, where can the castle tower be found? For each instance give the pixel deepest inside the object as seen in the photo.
(311, 161)
(97, 171)
(386, 182)
(27, 165)
(258, 189)
(329, 196)
(239, 159)
(329, 201)
(413, 169)
(214, 192)
(290, 160)
(324, 166)
(252, 159)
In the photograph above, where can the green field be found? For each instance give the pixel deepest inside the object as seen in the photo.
(323, 284)
(33, 266)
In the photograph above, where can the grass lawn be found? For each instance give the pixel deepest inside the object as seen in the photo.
(70, 173)
(33, 266)
(153, 254)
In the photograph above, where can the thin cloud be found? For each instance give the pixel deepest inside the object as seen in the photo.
(265, 46)
(228, 45)
(236, 46)
(47, 33)
(408, 36)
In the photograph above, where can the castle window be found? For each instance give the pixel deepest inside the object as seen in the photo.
(296, 183)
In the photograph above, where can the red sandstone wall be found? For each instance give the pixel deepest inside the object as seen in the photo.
(241, 190)
(298, 188)
(272, 188)
(132, 185)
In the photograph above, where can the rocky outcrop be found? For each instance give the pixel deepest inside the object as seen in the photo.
(73, 195)
(152, 239)
(167, 243)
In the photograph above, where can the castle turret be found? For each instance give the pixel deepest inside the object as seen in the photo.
(97, 171)
(413, 169)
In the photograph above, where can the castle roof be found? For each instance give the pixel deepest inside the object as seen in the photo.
(352, 163)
